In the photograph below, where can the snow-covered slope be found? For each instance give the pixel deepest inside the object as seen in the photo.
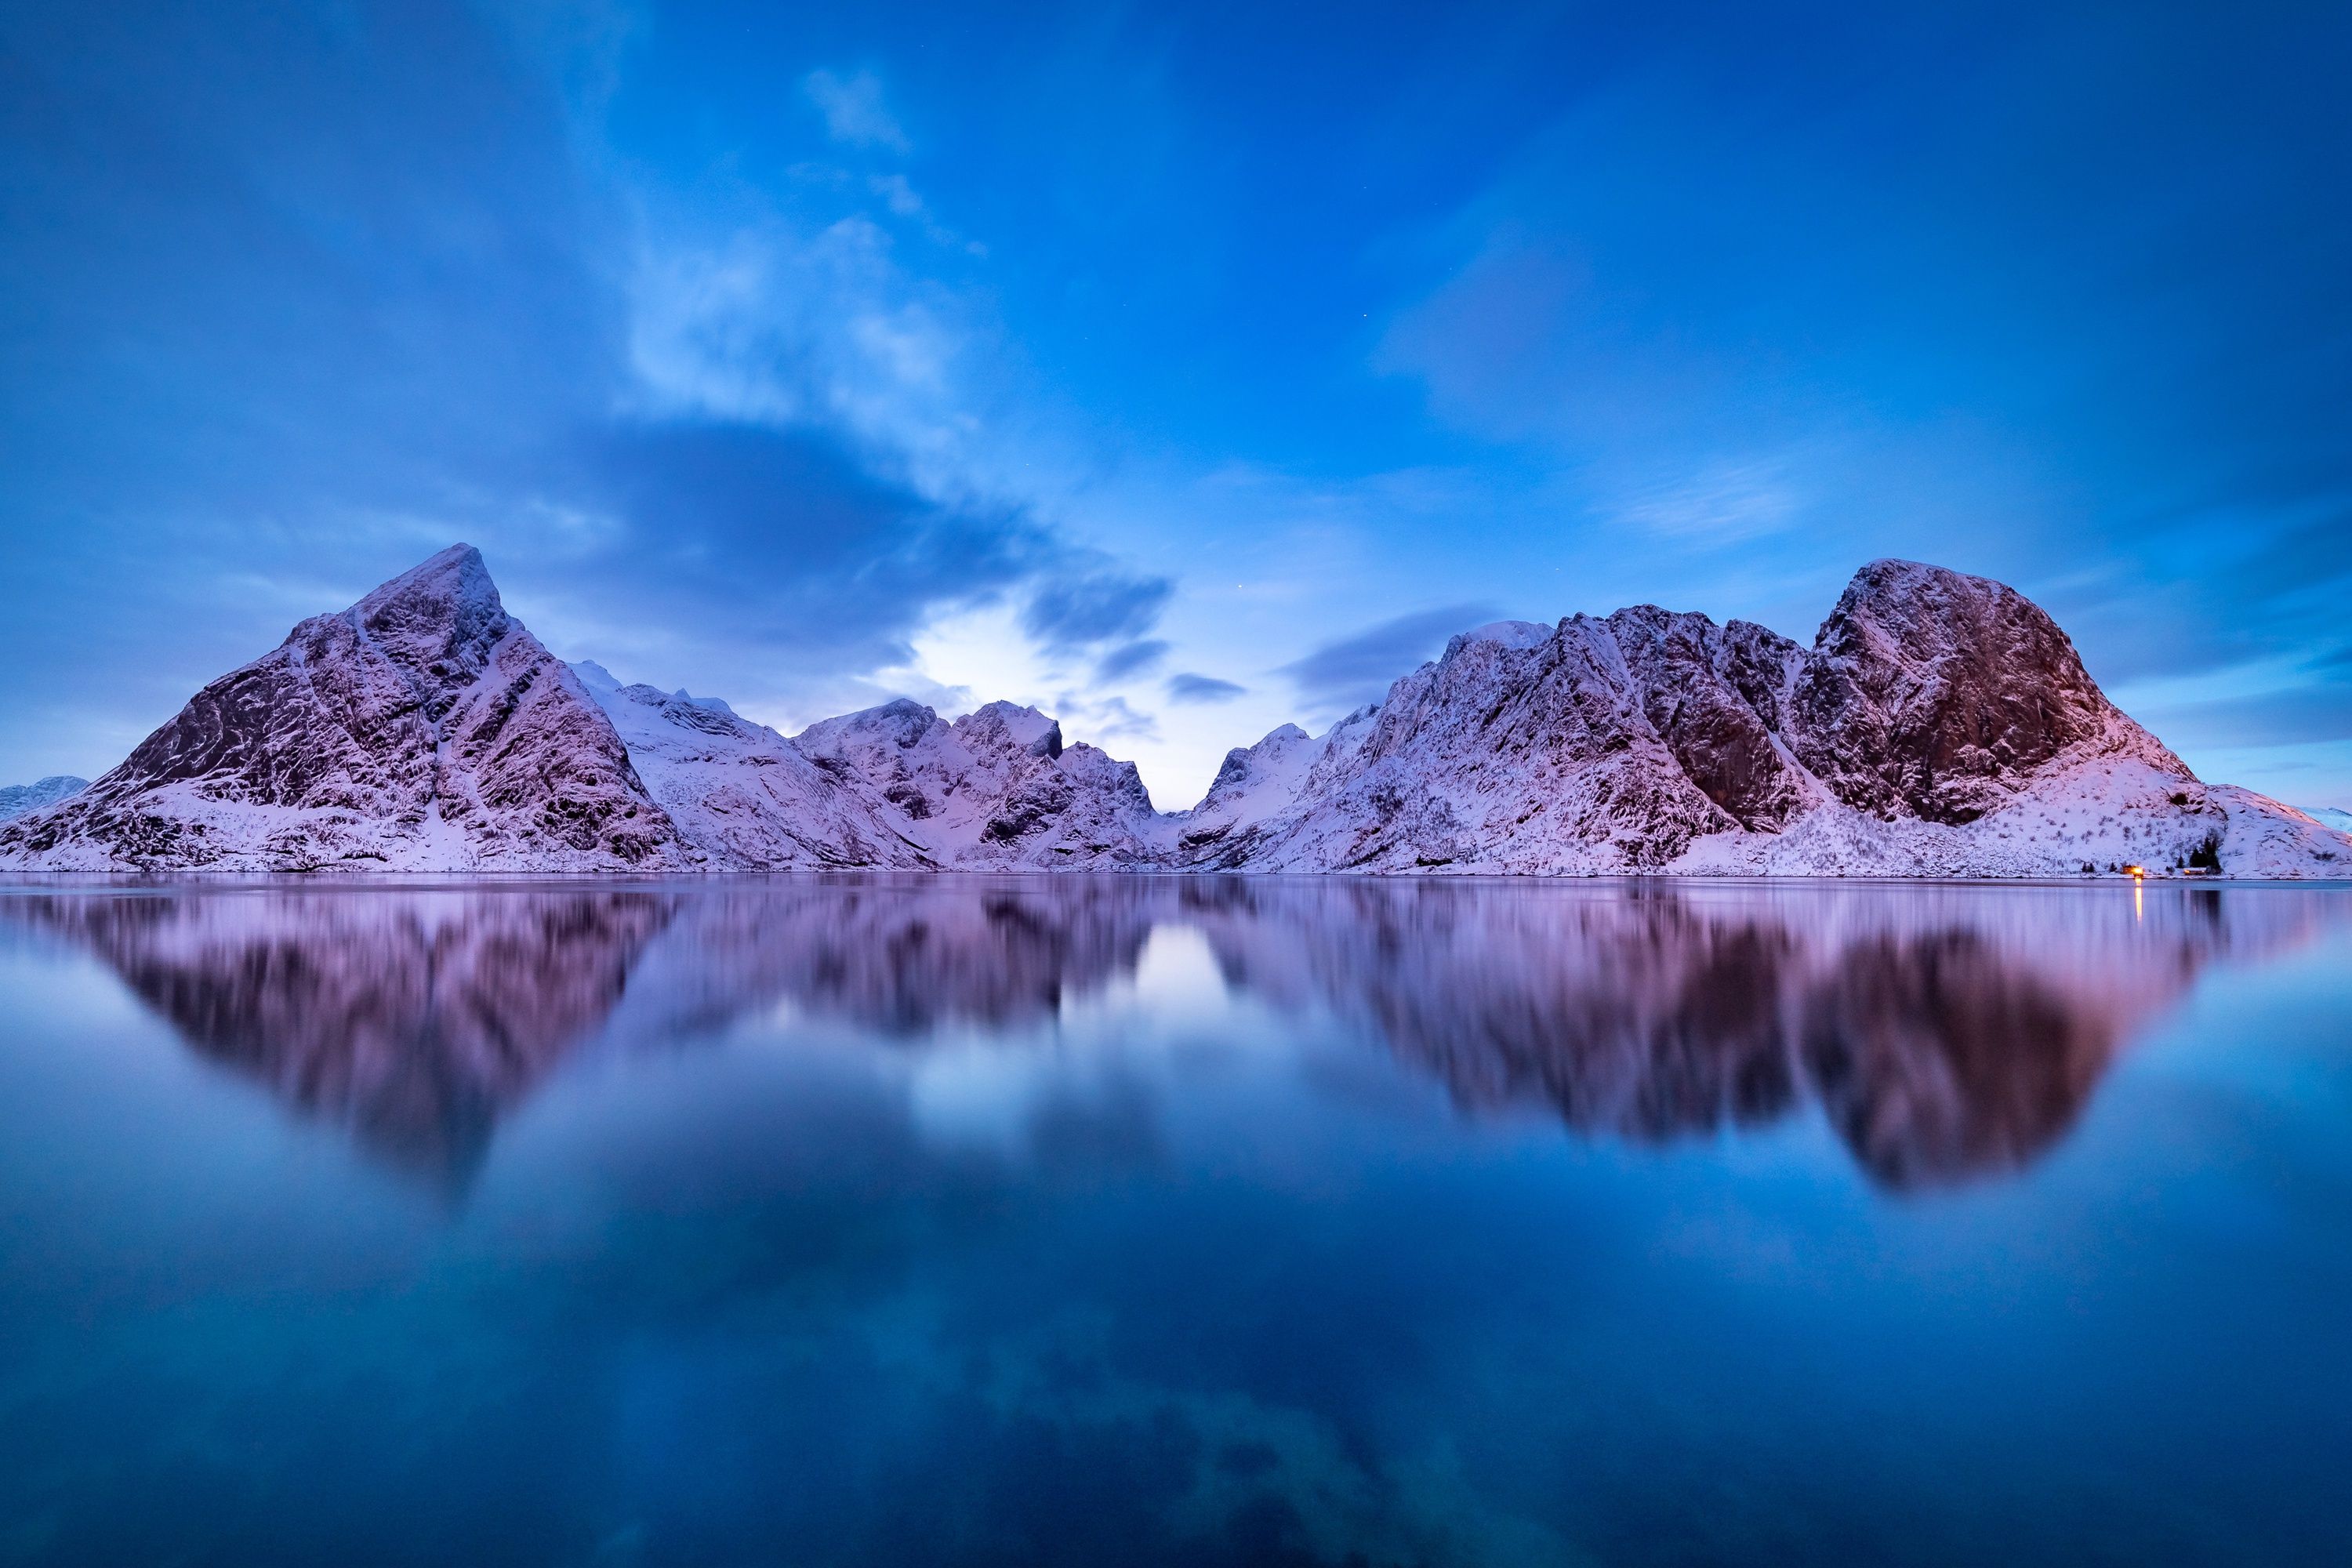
(2329, 816)
(996, 790)
(1939, 726)
(742, 796)
(421, 729)
(1256, 786)
(15, 800)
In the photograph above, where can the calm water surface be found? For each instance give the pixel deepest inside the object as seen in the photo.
(1143, 1221)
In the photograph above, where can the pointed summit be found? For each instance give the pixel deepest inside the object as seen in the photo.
(422, 728)
(444, 610)
(1940, 725)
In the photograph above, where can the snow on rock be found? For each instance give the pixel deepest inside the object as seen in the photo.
(15, 800)
(1940, 726)
(2264, 838)
(1512, 634)
(1514, 753)
(421, 729)
(2325, 816)
(742, 796)
(1256, 783)
(995, 790)
(1933, 695)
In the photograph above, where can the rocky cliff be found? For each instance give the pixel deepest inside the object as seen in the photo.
(424, 729)
(995, 790)
(741, 796)
(1939, 725)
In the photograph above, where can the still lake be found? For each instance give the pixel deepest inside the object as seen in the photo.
(1143, 1220)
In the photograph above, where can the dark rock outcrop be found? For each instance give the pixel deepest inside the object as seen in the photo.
(1933, 695)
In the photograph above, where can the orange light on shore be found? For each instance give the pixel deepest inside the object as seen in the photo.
(2136, 870)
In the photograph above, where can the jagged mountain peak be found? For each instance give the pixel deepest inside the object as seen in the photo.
(15, 800)
(421, 727)
(1939, 724)
(451, 585)
(1510, 634)
(1009, 726)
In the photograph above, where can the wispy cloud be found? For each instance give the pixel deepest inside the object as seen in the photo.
(1112, 719)
(904, 201)
(1721, 504)
(1362, 668)
(772, 324)
(853, 109)
(1189, 687)
(1132, 659)
(1074, 612)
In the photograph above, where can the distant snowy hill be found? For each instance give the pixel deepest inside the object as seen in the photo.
(2325, 816)
(15, 800)
(1939, 726)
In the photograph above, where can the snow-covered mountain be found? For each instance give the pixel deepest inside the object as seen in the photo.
(15, 800)
(741, 796)
(423, 729)
(1939, 726)
(996, 790)
(2332, 816)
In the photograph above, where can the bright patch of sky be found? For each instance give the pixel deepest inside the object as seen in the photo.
(1183, 369)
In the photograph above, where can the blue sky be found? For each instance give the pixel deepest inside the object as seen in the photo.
(1185, 371)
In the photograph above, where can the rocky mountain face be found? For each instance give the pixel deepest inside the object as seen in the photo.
(423, 728)
(1932, 695)
(741, 796)
(1939, 725)
(995, 790)
(15, 800)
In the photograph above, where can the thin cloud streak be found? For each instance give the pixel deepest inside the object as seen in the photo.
(1190, 687)
(1361, 669)
(853, 109)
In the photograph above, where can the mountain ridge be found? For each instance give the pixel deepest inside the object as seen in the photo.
(15, 800)
(1940, 725)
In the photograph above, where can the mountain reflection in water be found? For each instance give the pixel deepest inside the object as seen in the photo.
(1947, 1032)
